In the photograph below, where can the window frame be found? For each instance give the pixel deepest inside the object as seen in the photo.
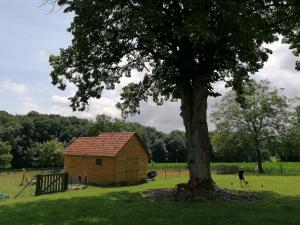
(98, 161)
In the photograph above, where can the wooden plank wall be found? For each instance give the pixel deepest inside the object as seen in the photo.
(99, 174)
(132, 149)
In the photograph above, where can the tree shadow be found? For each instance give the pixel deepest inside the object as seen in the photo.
(127, 208)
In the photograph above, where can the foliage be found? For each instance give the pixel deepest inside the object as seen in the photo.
(5, 155)
(22, 132)
(232, 146)
(287, 147)
(176, 146)
(263, 116)
(27, 134)
(181, 47)
(50, 154)
(159, 152)
(169, 41)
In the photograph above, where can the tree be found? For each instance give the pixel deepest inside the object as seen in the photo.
(103, 123)
(181, 46)
(50, 154)
(159, 152)
(263, 115)
(175, 146)
(5, 155)
(287, 146)
(232, 146)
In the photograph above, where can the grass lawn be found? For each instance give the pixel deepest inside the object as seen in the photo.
(125, 206)
(270, 167)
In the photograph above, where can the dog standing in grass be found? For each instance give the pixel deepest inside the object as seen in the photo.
(191, 186)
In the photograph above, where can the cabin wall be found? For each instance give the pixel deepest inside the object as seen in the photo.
(132, 150)
(99, 174)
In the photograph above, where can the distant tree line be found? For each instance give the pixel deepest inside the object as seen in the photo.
(38, 140)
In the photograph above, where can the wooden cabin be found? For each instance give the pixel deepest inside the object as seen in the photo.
(112, 157)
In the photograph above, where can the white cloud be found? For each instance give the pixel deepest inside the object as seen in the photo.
(28, 106)
(60, 101)
(280, 70)
(16, 98)
(61, 105)
(164, 118)
(42, 56)
(13, 87)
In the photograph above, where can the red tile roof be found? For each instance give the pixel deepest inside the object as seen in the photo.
(105, 144)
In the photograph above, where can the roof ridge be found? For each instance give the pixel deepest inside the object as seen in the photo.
(116, 132)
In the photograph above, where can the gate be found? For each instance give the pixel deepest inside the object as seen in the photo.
(51, 183)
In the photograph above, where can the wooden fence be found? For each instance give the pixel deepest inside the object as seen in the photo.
(227, 169)
(51, 183)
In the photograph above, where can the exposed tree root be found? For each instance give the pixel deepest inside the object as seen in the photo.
(202, 195)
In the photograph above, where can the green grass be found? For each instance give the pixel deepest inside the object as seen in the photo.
(270, 167)
(10, 184)
(125, 206)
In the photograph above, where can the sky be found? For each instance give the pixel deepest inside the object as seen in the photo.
(30, 33)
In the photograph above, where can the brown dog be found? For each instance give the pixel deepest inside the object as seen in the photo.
(191, 186)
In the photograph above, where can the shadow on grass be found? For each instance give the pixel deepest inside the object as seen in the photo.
(126, 208)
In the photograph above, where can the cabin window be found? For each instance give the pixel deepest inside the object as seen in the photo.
(98, 162)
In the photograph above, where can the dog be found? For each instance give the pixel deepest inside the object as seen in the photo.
(191, 186)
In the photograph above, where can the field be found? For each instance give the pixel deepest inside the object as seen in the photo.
(270, 167)
(125, 205)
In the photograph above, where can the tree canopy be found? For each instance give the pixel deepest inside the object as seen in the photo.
(263, 116)
(5, 155)
(181, 46)
(170, 41)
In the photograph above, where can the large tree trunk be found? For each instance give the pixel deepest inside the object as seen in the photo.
(259, 157)
(193, 112)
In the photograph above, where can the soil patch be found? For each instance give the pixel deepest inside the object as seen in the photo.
(219, 195)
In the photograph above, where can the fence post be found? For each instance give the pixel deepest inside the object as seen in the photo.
(38, 188)
(165, 173)
(66, 179)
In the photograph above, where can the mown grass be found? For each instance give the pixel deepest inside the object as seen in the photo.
(270, 167)
(125, 205)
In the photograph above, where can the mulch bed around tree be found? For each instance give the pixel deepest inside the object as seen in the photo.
(219, 195)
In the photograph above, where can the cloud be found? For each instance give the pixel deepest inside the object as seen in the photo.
(280, 70)
(164, 118)
(60, 101)
(13, 87)
(27, 106)
(61, 105)
(16, 98)
(42, 56)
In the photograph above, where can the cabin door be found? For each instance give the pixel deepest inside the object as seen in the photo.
(132, 170)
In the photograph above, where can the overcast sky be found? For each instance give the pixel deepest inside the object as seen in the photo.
(29, 34)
